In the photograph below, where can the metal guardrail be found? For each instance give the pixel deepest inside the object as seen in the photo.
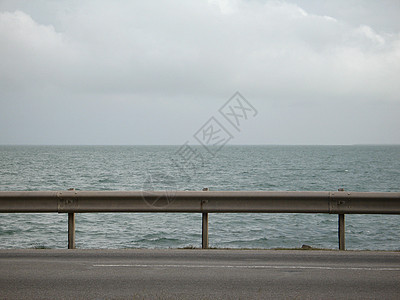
(71, 202)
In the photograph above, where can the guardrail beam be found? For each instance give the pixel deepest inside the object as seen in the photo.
(200, 202)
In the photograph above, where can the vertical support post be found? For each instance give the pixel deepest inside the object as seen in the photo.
(204, 243)
(71, 227)
(71, 230)
(341, 232)
(204, 235)
(341, 229)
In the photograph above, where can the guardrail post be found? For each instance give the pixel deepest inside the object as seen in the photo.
(71, 230)
(341, 232)
(341, 229)
(204, 235)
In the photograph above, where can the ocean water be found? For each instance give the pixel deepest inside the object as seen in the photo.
(271, 168)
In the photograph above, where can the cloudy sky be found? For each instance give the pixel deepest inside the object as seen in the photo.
(154, 72)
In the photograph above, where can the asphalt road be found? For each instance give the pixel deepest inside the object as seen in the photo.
(198, 274)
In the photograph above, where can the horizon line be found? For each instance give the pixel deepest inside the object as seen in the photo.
(356, 144)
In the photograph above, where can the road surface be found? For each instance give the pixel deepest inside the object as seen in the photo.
(198, 274)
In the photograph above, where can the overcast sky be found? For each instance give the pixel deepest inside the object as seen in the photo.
(154, 72)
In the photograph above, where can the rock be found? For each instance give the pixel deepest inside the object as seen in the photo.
(306, 247)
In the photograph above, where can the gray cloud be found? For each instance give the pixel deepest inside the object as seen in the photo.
(163, 61)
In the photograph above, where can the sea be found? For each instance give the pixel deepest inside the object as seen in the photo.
(361, 168)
